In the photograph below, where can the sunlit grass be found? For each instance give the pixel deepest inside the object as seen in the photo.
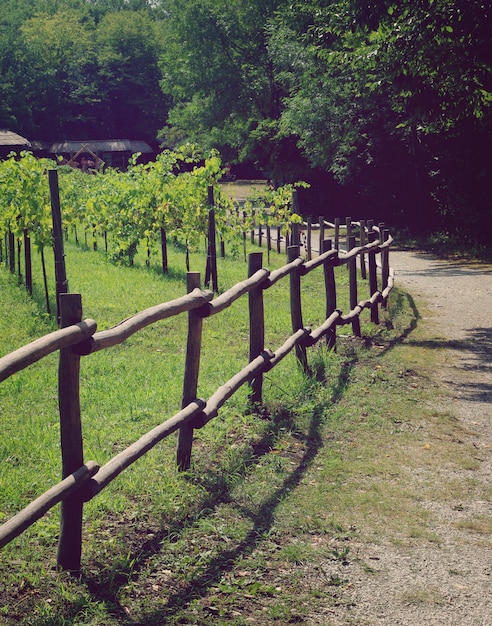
(330, 458)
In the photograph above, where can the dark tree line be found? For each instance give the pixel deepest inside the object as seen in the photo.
(384, 106)
(81, 69)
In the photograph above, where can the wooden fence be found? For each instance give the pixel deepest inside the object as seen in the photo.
(77, 338)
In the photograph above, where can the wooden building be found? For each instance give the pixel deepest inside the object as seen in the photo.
(12, 142)
(110, 152)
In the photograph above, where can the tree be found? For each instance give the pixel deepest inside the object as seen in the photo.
(61, 57)
(379, 93)
(128, 51)
(79, 69)
(217, 68)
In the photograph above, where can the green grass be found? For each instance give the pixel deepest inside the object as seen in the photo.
(268, 497)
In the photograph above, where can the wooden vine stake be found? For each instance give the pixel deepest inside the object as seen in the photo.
(60, 270)
(70, 541)
(164, 251)
(27, 261)
(190, 381)
(296, 228)
(11, 252)
(211, 269)
(256, 326)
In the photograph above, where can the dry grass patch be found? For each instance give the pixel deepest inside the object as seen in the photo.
(423, 596)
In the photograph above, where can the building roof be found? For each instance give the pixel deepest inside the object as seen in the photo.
(104, 145)
(8, 138)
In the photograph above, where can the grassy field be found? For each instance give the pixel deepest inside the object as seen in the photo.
(228, 541)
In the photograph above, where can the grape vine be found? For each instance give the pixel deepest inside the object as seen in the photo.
(135, 207)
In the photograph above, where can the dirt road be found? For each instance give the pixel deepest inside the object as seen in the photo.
(447, 583)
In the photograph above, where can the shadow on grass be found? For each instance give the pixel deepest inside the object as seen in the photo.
(219, 491)
(106, 587)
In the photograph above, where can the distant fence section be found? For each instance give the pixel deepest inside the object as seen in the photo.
(78, 338)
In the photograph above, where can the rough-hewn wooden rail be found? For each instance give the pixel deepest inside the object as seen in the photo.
(76, 339)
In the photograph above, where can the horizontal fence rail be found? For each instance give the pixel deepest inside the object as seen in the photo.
(77, 339)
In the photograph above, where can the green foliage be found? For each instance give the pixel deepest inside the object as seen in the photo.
(73, 68)
(24, 201)
(134, 205)
(131, 207)
(216, 66)
(392, 100)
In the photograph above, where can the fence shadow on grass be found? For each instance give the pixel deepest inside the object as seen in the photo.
(219, 492)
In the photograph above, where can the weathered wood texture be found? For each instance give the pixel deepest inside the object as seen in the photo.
(256, 325)
(211, 270)
(119, 333)
(135, 451)
(296, 305)
(192, 369)
(60, 270)
(70, 541)
(39, 348)
(352, 266)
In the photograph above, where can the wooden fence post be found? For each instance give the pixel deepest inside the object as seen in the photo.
(308, 238)
(330, 291)
(279, 237)
(296, 305)
(70, 541)
(337, 233)
(190, 380)
(363, 240)
(385, 266)
(352, 266)
(60, 270)
(321, 232)
(348, 228)
(256, 326)
(381, 232)
(373, 278)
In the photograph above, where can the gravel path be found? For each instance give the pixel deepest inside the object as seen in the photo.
(450, 583)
